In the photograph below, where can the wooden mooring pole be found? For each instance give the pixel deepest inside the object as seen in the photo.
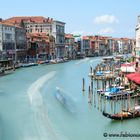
(95, 97)
(83, 84)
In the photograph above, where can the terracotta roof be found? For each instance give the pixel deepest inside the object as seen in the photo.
(9, 24)
(69, 36)
(6, 23)
(116, 39)
(125, 39)
(97, 37)
(122, 39)
(35, 19)
(85, 37)
(39, 36)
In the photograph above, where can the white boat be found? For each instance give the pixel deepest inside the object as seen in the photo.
(65, 100)
(28, 64)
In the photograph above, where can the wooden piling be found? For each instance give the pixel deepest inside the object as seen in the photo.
(115, 102)
(100, 102)
(95, 97)
(90, 69)
(104, 104)
(89, 99)
(111, 102)
(127, 102)
(91, 86)
(83, 84)
(105, 85)
(97, 84)
(89, 89)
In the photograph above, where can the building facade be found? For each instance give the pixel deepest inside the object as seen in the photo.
(86, 45)
(58, 31)
(20, 44)
(100, 45)
(33, 24)
(70, 49)
(7, 41)
(39, 46)
(39, 24)
(12, 42)
(137, 50)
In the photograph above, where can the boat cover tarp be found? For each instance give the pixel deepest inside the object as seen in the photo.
(99, 73)
(113, 90)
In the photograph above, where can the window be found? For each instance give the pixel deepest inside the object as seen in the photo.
(8, 36)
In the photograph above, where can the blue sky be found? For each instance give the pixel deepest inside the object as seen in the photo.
(115, 18)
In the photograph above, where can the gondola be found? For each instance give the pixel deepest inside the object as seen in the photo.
(124, 114)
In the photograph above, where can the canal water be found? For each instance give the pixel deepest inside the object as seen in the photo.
(29, 109)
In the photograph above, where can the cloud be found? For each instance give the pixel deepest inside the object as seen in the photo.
(106, 19)
(107, 30)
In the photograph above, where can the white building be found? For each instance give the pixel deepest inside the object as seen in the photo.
(12, 41)
(58, 31)
(120, 46)
(7, 40)
(138, 38)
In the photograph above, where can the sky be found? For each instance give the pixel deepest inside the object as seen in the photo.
(116, 18)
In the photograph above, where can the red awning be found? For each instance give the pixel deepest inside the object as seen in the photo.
(135, 77)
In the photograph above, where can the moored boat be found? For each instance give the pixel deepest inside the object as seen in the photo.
(118, 95)
(134, 113)
(28, 64)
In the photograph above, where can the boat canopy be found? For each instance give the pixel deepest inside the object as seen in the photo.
(112, 90)
(135, 77)
(99, 73)
(115, 89)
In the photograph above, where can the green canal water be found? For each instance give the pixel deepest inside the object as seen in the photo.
(30, 111)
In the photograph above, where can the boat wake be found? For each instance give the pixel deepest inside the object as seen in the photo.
(65, 99)
(82, 61)
(43, 127)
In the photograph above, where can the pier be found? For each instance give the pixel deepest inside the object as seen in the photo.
(113, 86)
